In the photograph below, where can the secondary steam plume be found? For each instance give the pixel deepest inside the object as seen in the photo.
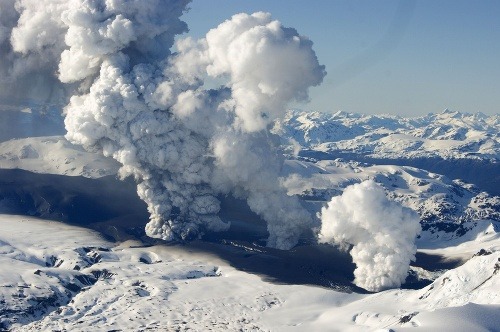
(381, 232)
(150, 110)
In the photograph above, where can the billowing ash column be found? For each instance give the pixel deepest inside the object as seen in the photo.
(134, 100)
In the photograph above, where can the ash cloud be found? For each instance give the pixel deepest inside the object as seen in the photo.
(134, 100)
(380, 234)
(31, 39)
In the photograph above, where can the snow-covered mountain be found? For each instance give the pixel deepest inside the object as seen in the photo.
(447, 135)
(458, 145)
(447, 208)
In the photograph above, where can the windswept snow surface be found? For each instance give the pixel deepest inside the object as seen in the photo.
(62, 277)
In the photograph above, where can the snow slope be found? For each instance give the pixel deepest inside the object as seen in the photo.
(54, 155)
(62, 277)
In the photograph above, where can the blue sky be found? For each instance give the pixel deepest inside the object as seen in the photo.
(400, 57)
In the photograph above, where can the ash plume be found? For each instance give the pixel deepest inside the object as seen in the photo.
(31, 40)
(134, 100)
(381, 233)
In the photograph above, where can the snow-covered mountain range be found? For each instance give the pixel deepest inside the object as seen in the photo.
(447, 135)
(447, 208)
(458, 145)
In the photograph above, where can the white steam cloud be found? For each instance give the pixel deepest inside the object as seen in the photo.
(149, 108)
(381, 232)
